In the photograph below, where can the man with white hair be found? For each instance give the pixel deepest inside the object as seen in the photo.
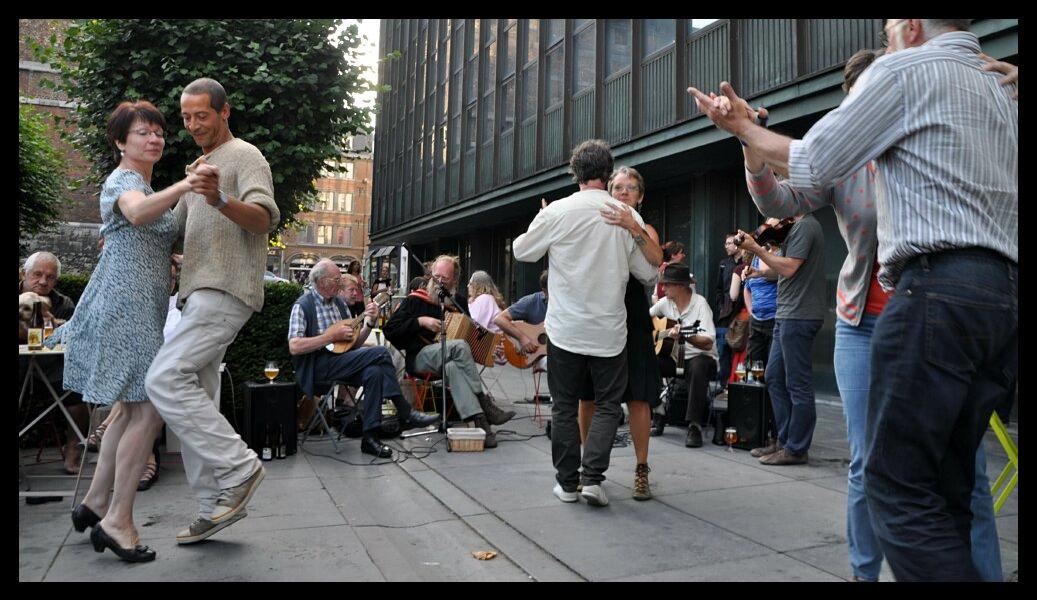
(39, 274)
(944, 134)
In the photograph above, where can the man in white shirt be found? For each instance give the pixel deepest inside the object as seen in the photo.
(590, 262)
(689, 309)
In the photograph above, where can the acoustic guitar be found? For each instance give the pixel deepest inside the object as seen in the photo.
(663, 342)
(339, 347)
(513, 348)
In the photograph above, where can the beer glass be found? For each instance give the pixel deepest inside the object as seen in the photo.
(740, 371)
(730, 436)
(271, 370)
(757, 370)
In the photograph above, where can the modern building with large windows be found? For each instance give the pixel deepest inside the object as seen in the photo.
(482, 114)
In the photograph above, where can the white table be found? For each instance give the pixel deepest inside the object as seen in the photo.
(35, 369)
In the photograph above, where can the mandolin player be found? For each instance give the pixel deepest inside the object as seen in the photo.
(414, 328)
(316, 322)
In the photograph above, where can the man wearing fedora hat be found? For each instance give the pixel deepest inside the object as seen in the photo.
(684, 305)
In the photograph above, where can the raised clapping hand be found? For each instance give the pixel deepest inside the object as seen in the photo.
(722, 109)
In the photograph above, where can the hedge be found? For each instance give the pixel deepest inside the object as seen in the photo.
(72, 285)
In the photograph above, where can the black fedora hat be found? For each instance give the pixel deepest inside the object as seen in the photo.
(677, 273)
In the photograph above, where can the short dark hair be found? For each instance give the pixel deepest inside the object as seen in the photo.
(670, 248)
(217, 95)
(543, 280)
(857, 64)
(591, 160)
(125, 115)
(417, 283)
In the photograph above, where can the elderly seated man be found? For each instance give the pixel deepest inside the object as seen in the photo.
(315, 324)
(39, 275)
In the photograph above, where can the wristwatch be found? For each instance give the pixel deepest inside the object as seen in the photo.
(224, 200)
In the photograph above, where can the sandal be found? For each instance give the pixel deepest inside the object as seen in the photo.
(150, 475)
(93, 443)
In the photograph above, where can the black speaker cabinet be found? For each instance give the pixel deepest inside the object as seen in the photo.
(270, 404)
(749, 412)
(677, 402)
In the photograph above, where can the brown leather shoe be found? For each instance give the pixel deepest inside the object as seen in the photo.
(769, 449)
(784, 457)
(494, 414)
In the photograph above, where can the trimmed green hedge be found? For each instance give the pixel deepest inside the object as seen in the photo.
(264, 337)
(72, 285)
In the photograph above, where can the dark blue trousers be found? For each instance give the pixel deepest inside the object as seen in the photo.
(944, 354)
(372, 368)
(790, 382)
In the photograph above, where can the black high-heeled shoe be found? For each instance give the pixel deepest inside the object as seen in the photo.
(138, 553)
(150, 476)
(83, 517)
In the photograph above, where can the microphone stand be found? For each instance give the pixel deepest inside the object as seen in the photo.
(442, 356)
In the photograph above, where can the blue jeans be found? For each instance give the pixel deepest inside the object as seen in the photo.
(723, 356)
(790, 382)
(944, 354)
(852, 374)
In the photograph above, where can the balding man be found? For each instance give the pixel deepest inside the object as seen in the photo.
(39, 275)
(315, 324)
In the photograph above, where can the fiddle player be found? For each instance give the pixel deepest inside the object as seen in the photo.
(414, 328)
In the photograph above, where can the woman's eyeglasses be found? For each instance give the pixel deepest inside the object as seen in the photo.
(627, 188)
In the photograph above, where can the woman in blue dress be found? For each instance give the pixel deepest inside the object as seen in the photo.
(117, 328)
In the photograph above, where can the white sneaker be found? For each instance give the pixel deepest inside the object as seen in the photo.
(594, 495)
(565, 496)
(201, 528)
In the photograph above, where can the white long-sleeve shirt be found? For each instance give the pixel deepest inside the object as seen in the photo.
(590, 262)
(696, 310)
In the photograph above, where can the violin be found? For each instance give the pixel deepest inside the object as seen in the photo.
(771, 233)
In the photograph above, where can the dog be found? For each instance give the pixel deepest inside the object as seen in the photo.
(25, 302)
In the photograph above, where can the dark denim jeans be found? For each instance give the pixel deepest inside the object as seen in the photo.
(944, 353)
(790, 382)
(724, 356)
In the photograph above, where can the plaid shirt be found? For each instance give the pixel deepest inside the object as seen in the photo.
(327, 315)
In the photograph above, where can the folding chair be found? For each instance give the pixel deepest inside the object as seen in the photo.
(1012, 468)
(326, 392)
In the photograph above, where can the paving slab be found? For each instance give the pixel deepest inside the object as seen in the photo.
(693, 471)
(835, 559)
(459, 502)
(627, 537)
(392, 500)
(771, 567)
(781, 516)
(291, 555)
(527, 554)
(436, 552)
(42, 530)
(505, 487)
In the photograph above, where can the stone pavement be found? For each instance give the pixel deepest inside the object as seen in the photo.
(716, 515)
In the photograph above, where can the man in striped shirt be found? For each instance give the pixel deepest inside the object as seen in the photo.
(944, 136)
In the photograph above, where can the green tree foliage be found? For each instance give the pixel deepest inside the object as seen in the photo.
(291, 86)
(41, 175)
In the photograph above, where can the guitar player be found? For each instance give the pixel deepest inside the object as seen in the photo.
(414, 327)
(683, 305)
(532, 309)
(314, 324)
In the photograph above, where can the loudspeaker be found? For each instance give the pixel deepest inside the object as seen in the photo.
(270, 404)
(749, 412)
(677, 401)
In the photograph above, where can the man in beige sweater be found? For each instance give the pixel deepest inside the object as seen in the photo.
(225, 246)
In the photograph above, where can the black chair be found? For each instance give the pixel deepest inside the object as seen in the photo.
(325, 391)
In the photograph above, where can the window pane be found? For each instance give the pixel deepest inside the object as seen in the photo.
(529, 92)
(473, 41)
(349, 201)
(455, 98)
(533, 40)
(348, 241)
(473, 121)
(583, 62)
(555, 31)
(322, 235)
(509, 51)
(697, 24)
(658, 33)
(489, 79)
(507, 120)
(341, 236)
(487, 131)
(455, 138)
(349, 170)
(577, 23)
(617, 45)
(555, 73)
(473, 80)
(458, 42)
(490, 25)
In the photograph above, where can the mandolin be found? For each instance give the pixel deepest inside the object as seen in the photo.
(771, 233)
(513, 349)
(339, 347)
